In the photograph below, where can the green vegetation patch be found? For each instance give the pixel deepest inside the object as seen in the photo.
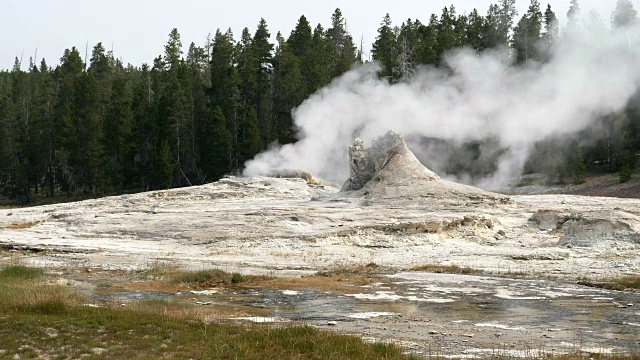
(206, 278)
(17, 272)
(118, 334)
(43, 320)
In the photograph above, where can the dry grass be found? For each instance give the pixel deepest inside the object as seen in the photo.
(327, 283)
(22, 289)
(178, 310)
(206, 278)
(580, 356)
(18, 226)
(343, 279)
(40, 320)
(622, 283)
(446, 269)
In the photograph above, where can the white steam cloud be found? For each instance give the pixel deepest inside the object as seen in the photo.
(590, 74)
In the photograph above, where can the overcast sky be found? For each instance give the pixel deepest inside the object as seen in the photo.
(138, 29)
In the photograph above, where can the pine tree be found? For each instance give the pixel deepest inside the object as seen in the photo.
(594, 24)
(117, 136)
(344, 50)
(43, 129)
(450, 32)
(174, 112)
(247, 86)
(301, 39)
(507, 14)
(253, 143)
(551, 31)
(573, 15)
(579, 166)
(384, 49)
(425, 50)
(320, 60)
(528, 33)
(492, 30)
(18, 136)
(164, 167)
(8, 179)
(196, 75)
(69, 75)
(225, 92)
(87, 121)
(288, 90)
(262, 51)
(476, 31)
(144, 132)
(218, 149)
(301, 44)
(173, 50)
(624, 14)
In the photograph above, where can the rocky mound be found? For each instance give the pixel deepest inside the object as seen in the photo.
(389, 170)
(589, 227)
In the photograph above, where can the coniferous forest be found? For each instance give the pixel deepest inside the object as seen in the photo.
(91, 125)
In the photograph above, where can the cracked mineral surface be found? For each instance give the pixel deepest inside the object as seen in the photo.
(403, 216)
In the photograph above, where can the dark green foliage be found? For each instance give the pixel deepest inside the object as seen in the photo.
(528, 33)
(164, 167)
(262, 65)
(116, 139)
(385, 49)
(202, 278)
(289, 90)
(626, 173)
(218, 147)
(344, 50)
(253, 141)
(579, 167)
(207, 278)
(628, 152)
(237, 278)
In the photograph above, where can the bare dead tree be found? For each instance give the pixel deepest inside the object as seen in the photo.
(404, 71)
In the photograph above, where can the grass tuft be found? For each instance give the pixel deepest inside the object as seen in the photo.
(357, 270)
(200, 278)
(206, 278)
(620, 283)
(18, 226)
(446, 269)
(23, 291)
(17, 272)
(237, 278)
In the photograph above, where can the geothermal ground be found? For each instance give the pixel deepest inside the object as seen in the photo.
(289, 227)
(529, 253)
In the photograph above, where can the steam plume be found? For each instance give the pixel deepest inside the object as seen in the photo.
(589, 74)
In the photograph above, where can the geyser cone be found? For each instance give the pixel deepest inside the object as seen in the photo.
(390, 171)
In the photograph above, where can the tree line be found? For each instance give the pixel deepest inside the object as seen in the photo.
(91, 126)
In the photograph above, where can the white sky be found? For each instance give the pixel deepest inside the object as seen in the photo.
(138, 29)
